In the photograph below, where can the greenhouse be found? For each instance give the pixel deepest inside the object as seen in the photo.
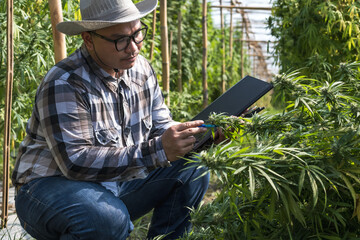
(193, 119)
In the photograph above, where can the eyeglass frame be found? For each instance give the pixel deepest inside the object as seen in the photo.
(129, 37)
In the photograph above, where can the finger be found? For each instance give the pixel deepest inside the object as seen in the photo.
(189, 146)
(190, 140)
(187, 142)
(189, 132)
(185, 146)
(190, 124)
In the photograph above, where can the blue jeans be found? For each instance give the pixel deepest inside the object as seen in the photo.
(59, 208)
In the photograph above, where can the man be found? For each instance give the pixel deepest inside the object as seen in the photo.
(101, 148)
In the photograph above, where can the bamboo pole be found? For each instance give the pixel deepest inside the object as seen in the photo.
(8, 104)
(152, 46)
(204, 63)
(223, 85)
(58, 37)
(231, 34)
(165, 50)
(254, 64)
(246, 26)
(231, 41)
(242, 46)
(179, 56)
(170, 44)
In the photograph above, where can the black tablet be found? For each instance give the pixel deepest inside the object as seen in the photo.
(232, 103)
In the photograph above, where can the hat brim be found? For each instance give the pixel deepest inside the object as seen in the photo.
(76, 27)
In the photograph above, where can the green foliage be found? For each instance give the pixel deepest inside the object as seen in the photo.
(184, 106)
(322, 32)
(33, 57)
(291, 175)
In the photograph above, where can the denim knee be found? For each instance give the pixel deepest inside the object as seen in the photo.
(200, 176)
(109, 223)
(71, 210)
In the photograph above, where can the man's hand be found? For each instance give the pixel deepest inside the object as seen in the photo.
(178, 140)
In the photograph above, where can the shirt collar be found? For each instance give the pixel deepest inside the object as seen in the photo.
(111, 82)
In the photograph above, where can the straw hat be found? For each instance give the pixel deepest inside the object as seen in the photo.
(98, 14)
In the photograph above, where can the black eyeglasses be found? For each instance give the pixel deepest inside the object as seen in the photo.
(122, 43)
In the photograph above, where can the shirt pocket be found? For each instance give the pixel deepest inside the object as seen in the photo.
(107, 137)
(146, 125)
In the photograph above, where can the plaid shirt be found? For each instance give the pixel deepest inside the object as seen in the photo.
(87, 125)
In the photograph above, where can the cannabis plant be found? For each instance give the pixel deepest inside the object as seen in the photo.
(327, 31)
(291, 175)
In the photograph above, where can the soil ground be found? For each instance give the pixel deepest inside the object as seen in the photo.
(13, 231)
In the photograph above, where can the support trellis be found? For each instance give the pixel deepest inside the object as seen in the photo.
(245, 39)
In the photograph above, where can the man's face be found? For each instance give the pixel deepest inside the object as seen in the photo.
(104, 51)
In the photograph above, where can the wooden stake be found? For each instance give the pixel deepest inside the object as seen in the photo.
(223, 85)
(179, 56)
(8, 104)
(204, 63)
(165, 50)
(231, 41)
(254, 64)
(58, 37)
(170, 45)
(152, 46)
(231, 34)
(242, 47)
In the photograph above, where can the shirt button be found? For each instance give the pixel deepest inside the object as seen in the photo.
(127, 130)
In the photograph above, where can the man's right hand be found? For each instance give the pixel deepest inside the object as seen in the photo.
(179, 139)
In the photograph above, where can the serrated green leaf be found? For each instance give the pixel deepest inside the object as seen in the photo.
(251, 182)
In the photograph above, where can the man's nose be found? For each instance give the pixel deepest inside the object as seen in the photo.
(132, 46)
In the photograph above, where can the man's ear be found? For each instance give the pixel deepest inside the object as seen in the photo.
(87, 38)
